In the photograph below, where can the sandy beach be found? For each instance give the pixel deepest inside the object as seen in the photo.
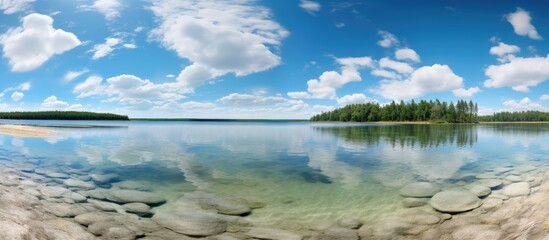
(24, 131)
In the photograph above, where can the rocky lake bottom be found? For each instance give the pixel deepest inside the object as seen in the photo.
(304, 183)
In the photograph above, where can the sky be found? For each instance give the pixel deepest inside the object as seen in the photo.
(269, 59)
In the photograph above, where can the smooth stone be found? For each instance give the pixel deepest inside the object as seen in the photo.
(502, 169)
(64, 209)
(341, 233)
(120, 233)
(75, 183)
(272, 234)
(525, 168)
(166, 235)
(139, 208)
(477, 232)
(414, 202)
(99, 228)
(454, 201)
(491, 204)
(192, 223)
(84, 177)
(222, 205)
(60, 229)
(516, 189)
(133, 185)
(92, 217)
(105, 206)
(491, 183)
(56, 175)
(129, 196)
(54, 191)
(513, 178)
(420, 189)
(103, 178)
(351, 223)
(480, 190)
(486, 176)
(76, 197)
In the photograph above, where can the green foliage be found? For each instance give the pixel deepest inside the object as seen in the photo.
(61, 115)
(433, 111)
(524, 116)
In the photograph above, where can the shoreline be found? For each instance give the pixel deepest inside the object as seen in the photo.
(24, 131)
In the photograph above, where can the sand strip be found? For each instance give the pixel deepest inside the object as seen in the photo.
(24, 131)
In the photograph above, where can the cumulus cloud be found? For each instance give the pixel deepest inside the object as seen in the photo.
(427, 79)
(466, 93)
(407, 54)
(109, 8)
(35, 42)
(13, 6)
(128, 89)
(326, 85)
(504, 51)
(21, 87)
(518, 73)
(544, 97)
(385, 74)
(400, 67)
(16, 96)
(387, 39)
(104, 49)
(522, 25)
(218, 37)
(71, 75)
(523, 105)
(310, 6)
(298, 94)
(52, 103)
(355, 98)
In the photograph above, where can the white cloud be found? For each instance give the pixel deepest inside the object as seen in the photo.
(16, 96)
(218, 37)
(466, 93)
(522, 105)
(427, 79)
(407, 54)
(298, 95)
(544, 97)
(53, 102)
(91, 86)
(387, 39)
(355, 98)
(128, 89)
(401, 67)
(21, 87)
(503, 49)
(13, 6)
(71, 75)
(519, 73)
(31, 45)
(109, 8)
(310, 6)
(340, 25)
(385, 74)
(104, 49)
(326, 85)
(129, 45)
(522, 25)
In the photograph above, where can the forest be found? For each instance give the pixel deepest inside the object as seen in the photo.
(433, 111)
(524, 116)
(61, 115)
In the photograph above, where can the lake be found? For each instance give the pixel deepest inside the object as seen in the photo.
(299, 174)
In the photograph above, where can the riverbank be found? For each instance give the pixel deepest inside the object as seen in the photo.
(24, 131)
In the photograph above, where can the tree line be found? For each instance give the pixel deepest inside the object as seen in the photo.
(61, 115)
(523, 116)
(434, 111)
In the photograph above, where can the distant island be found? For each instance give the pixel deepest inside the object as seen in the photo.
(61, 115)
(425, 111)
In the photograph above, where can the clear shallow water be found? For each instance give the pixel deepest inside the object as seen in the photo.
(303, 172)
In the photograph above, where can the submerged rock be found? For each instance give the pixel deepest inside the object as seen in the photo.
(454, 201)
(516, 189)
(75, 183)
(222, 205)
(54, 191)
(491, 183)
(420, 189)
(414, 202)
(64, 209)
(351, 223)
(192, 223)
(477, 232)
(103, 178)
(133, 185)
(129, 196)
(139, 208)
(272, 234)
(480, 190)
(340, 233)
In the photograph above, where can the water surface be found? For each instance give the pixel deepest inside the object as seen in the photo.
(303, 172)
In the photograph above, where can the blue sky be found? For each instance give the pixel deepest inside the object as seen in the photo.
(269, 59)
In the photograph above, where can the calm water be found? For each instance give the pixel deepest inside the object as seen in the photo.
(303, 172)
